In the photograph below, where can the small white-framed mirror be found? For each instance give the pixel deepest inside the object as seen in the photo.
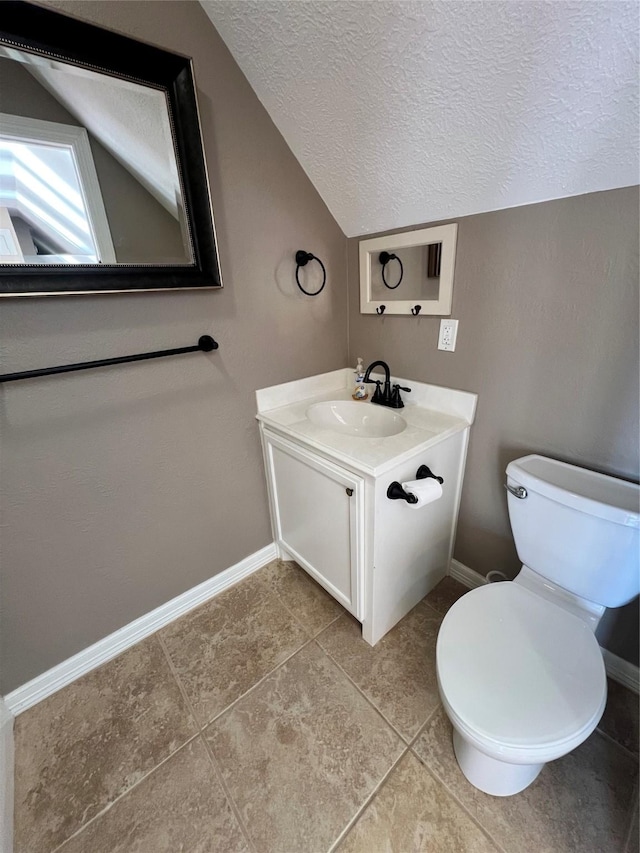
(409, 273)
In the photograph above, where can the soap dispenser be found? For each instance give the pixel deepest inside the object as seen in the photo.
(360, 390)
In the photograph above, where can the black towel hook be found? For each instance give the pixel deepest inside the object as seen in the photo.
(302, 259)
(416, 310)
(381, 309)
(384, 258)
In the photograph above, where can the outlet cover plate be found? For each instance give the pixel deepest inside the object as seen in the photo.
(448, 335)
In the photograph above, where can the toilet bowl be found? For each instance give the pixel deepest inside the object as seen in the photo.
(520, 672)
(522, 681)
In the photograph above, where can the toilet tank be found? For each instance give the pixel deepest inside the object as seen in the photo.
(576, 528)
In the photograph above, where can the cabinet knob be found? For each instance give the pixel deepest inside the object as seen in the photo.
(349, 492)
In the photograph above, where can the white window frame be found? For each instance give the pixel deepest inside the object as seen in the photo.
(23, 129)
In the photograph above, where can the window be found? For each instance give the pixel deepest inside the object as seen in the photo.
(51, 209)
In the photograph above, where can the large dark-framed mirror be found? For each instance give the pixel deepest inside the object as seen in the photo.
(103, 180)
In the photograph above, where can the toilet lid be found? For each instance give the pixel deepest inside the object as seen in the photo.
(518, 670)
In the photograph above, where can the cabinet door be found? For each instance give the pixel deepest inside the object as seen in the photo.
(318, 518)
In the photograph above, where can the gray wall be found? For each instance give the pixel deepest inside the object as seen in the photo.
(123, 487)
(547, 299)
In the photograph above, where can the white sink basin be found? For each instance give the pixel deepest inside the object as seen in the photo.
(352, 418)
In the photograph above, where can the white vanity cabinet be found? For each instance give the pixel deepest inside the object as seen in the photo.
(328, 497)
(317, 510)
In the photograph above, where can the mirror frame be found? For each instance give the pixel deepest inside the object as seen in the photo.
(369, 250)
(38, 30)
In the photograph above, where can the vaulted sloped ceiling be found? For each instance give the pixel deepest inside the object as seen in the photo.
(409, 112)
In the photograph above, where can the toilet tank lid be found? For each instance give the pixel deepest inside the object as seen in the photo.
(595, 494)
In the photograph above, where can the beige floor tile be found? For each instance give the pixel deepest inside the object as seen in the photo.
(180, 806)
(398, 674)
(226, 646)
(444, 594)
(82, 747)
(412, 813)
(578, 804)
(310, 604)
(301, 754)
(620, 718)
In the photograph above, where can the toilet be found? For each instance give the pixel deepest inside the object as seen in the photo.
(520, 672)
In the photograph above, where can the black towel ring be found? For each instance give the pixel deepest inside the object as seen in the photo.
(302, 259)
(384, 258)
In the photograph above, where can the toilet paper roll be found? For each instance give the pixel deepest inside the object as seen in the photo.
(427, 491)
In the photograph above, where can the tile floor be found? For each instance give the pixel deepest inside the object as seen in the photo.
(261, 721)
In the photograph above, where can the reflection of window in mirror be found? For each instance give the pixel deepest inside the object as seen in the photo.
(139, 214)
(51, 209)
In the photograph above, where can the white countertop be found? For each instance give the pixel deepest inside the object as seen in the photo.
(432, 414)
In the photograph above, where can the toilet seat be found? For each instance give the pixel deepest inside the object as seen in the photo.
(520, 677)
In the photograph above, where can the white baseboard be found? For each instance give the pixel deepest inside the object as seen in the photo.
(618, 669)
(64, 673)
(6, 778)
(465, 575)
(621, 670)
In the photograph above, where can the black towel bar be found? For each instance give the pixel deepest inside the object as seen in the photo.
(205, 344)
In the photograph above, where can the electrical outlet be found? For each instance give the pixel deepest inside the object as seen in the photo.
(448, 335)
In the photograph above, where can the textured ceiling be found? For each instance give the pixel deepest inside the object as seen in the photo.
(409, 112)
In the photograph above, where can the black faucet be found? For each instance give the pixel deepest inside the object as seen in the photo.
(385, 397)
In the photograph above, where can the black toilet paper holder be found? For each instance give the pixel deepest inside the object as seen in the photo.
(395, 492)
